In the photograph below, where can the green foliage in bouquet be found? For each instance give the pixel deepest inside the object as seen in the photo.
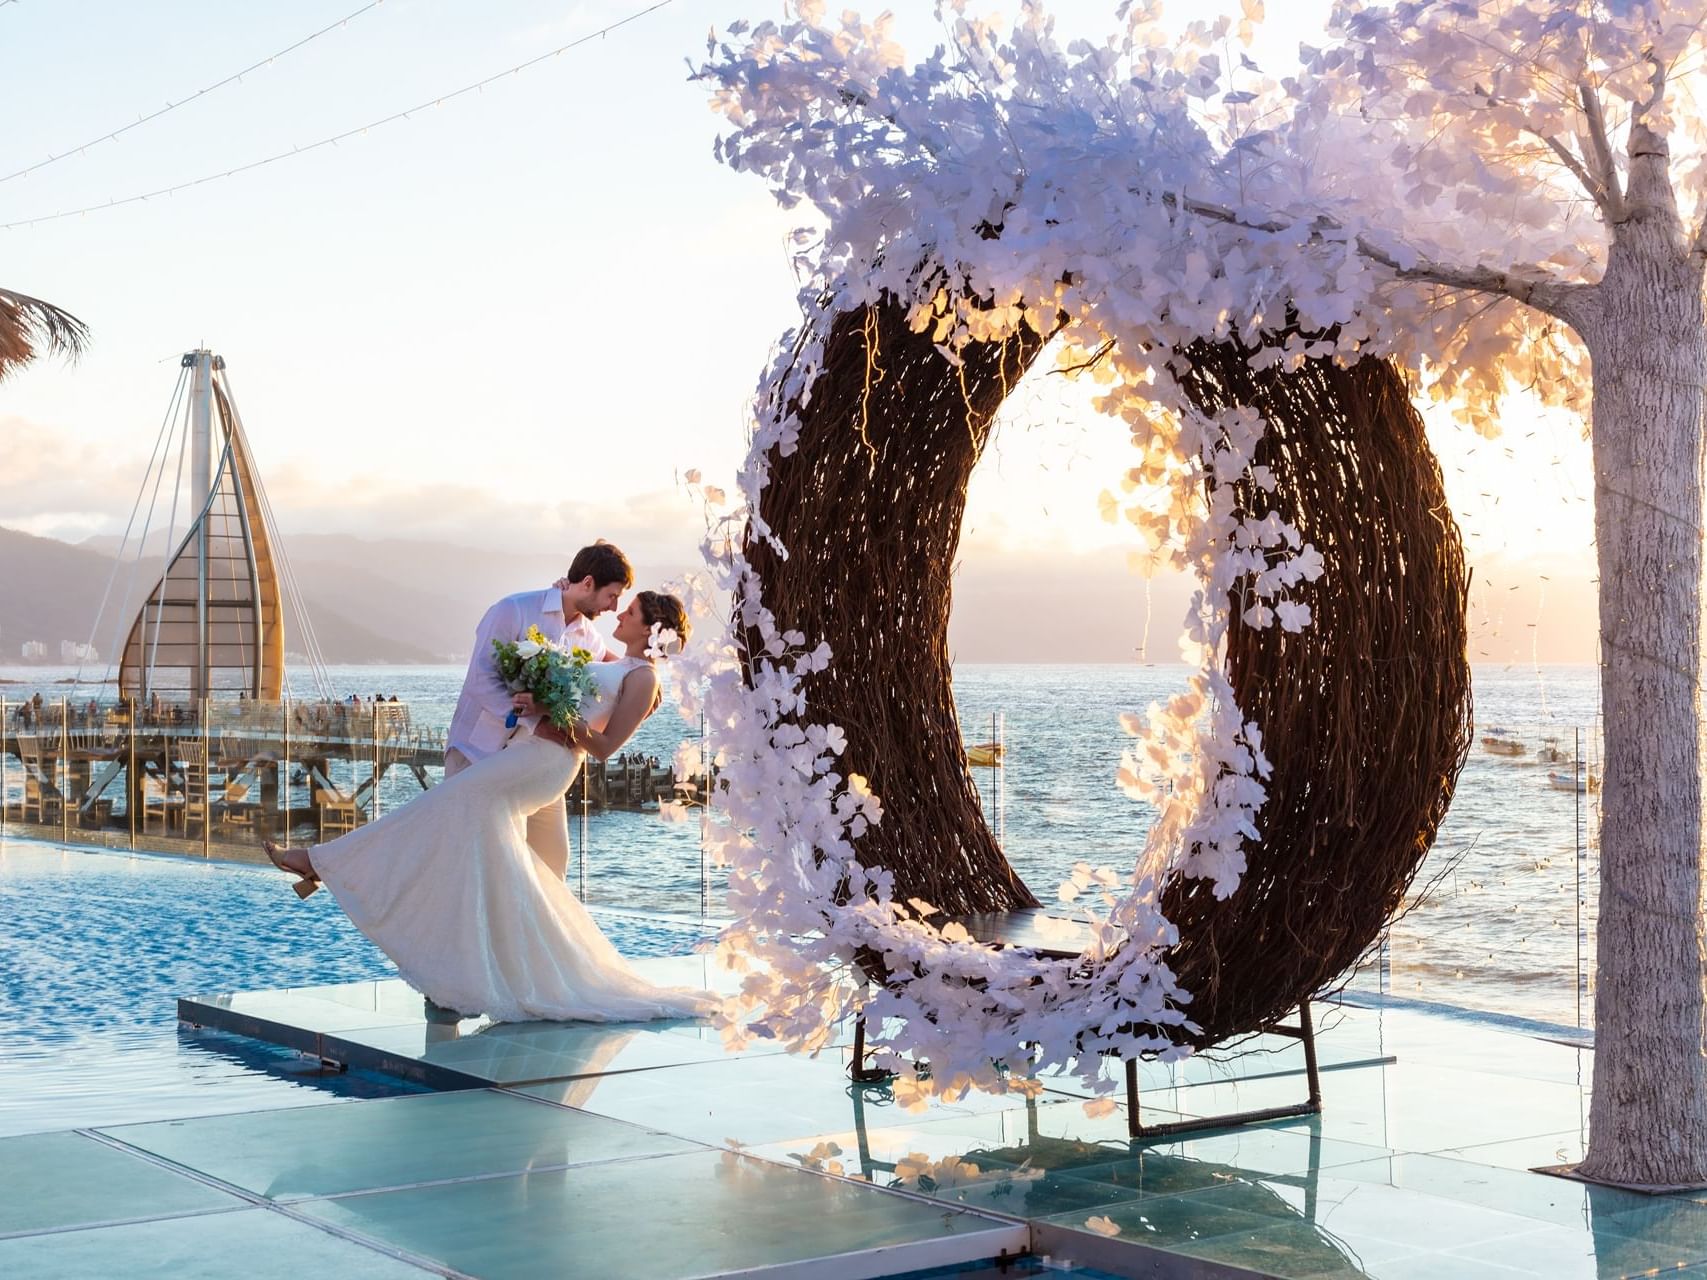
(560, 680)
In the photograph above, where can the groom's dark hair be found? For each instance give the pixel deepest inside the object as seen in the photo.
(603, 563)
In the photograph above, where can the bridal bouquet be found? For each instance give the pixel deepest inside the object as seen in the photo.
(559, 679)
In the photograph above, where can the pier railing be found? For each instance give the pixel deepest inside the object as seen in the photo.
(219, 776)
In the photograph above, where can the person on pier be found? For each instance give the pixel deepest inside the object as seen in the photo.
(597, 577)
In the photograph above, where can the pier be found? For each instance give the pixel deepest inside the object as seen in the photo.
(232, 773)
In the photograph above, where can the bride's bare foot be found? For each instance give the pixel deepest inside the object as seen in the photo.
(296, 863)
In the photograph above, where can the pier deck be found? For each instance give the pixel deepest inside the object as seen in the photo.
(244, 771)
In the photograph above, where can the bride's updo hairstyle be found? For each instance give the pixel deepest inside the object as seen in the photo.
(660, 609)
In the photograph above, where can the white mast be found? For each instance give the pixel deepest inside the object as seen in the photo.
(200, 411)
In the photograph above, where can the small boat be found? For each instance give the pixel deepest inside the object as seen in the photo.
(1548, 753)
(984, 755)
(1499, 742)
(1565, 780)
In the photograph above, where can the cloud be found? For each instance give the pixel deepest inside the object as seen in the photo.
(540, 514)
(58, 487)
(55, 486)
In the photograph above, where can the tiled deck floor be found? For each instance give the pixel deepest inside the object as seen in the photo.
(647, 1150)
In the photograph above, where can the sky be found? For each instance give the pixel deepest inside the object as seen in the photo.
(518, 317)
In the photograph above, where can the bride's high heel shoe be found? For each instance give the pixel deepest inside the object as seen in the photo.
(306, 882)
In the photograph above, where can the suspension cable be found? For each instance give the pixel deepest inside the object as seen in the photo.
(171, 545)
(124, 542)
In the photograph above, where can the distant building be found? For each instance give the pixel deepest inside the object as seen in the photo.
(73, 651)
(34, 651)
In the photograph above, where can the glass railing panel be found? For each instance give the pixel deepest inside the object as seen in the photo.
(1492, 923)
(1506, 927)
(96, 754)
(635, 826)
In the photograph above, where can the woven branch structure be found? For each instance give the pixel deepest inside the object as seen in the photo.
(869, 508)
(1366, 713)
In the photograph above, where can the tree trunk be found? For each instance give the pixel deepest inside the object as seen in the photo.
(1644, 328)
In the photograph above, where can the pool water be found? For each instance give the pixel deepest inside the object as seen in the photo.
(96, 946)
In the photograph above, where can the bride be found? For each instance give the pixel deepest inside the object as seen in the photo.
(448, 887)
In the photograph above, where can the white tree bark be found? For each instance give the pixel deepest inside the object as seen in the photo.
(1644, 327)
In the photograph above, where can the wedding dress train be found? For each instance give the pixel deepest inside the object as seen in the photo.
(448, 887)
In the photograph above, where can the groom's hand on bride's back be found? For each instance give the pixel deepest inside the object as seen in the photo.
(551, 733)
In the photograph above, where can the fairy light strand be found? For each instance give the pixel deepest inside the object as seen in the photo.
(233, 78)
(333, 140)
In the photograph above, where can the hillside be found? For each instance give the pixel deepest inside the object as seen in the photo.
(50, 591)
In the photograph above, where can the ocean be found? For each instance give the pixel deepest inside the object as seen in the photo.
(1506, 926)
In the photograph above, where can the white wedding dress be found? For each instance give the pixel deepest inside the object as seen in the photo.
(449, 889)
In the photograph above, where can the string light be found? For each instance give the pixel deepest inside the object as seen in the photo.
(438, 100)
(199, 93)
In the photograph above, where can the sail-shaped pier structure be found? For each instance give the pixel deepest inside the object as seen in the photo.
(213, 624)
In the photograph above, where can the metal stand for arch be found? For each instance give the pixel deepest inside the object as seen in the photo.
(1304, 1032)
(1028, 929)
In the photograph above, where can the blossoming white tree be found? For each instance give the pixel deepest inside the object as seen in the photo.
(1502, 196)
(1523, 163)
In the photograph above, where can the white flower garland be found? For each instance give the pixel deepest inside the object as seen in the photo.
(1086, 170)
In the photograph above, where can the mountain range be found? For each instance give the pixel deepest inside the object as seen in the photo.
(404, 600)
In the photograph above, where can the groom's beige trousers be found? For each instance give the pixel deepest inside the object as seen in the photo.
(548, 829)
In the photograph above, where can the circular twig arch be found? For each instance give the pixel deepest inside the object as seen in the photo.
(1366, 713)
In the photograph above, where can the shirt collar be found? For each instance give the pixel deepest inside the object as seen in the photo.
(552, 602)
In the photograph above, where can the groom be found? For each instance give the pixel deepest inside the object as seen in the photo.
(597, 577)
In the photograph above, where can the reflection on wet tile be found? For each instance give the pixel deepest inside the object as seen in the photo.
(1157, 1173)
(389, 1142)
(1023, 1193)
(1266, 1066)
(1299, 1249)
(754, 1100)
(1163, 1223)
(709, 1213)
(508, 1053)
(55, 1180)
(1530, 1195)
(991, 1139)
(1278, 1149)
(269, 1245)
(1567, 1253)
(303, 1014)
(1665, 1220)
(391, 998)
(1364, 1210)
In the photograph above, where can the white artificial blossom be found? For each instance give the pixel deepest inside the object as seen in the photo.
(1152, 190)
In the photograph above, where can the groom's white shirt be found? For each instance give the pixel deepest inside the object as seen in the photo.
(477, 729)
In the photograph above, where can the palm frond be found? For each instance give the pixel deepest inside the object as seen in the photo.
(30, 327)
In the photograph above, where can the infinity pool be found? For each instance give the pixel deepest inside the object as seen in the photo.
(96, 946)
